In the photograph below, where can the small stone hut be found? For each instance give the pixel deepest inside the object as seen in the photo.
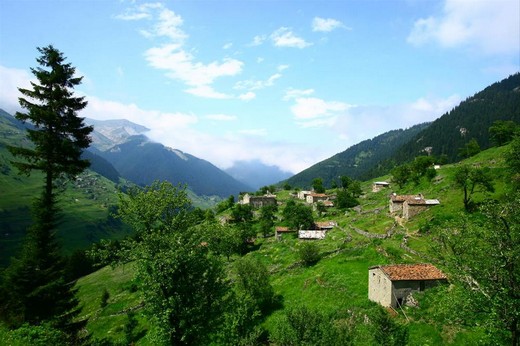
(258, 201)
(410, 205)
(391, 285)
(379, 185)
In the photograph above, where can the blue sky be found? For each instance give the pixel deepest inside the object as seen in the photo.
(288, 83)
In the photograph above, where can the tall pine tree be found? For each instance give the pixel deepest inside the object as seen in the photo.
(34, 286)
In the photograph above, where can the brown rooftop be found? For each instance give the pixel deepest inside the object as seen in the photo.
(403, 198)
(423, 271)
(281, 229)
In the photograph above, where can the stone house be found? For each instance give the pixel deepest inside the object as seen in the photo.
(316, 197)
(415, 206)
(258, 201)
(303, 194)
(391, 285)
(379, 185)
(410, 205)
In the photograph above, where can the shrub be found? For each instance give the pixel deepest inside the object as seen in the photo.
(309, 253)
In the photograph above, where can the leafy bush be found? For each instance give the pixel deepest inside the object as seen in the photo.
(309, 253)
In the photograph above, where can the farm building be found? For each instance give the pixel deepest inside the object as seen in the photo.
(258, 201)
(410, 205)
(379, 185)
(391, 285)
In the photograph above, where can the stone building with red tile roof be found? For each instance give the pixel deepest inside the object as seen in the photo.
(391, 285)
(410, 205)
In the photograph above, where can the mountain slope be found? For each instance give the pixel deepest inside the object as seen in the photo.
(358, 160)
(143, 162)
(470, 119)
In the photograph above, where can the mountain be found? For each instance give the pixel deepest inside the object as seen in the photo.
(471, 119)
(108, 133)
(142, 161)
(256, 174)
(358, 160)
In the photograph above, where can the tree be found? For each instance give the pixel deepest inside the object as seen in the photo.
(472, 180)
(512, 157)
(470, 149)
(401, 175)
(36, 279)
(317, 185)
(345, 181)
(309, 253)
(503, 131)
(345, 199)
(242, 213)
(252, 279)
(297, 216)
(483, 258)
(182, 280)
(267, 218)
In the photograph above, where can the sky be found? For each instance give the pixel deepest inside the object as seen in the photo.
(285, 82)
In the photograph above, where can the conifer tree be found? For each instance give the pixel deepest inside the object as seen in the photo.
(35, 289)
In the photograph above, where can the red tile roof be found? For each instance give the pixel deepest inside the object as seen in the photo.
(422, 271)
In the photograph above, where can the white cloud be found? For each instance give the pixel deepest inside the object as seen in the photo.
(312, 107)
(284, 37)
(178, 63)
(207, 91)
(248, 96)
(491, 27)
(326, 24)
(227, 45)
(362, 122)
(282, 67)
(105, 110)
(140, 12)
(297, 93)
(12, 79)
(257, 84)
(254, 132)
(221, 117)
(258, 40)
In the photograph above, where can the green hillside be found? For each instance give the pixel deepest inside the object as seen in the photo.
(357, 161)
(337, 283)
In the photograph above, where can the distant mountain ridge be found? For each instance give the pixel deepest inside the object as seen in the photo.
(357, 161)
(108, 133)
(142, 161)
(257, 174)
